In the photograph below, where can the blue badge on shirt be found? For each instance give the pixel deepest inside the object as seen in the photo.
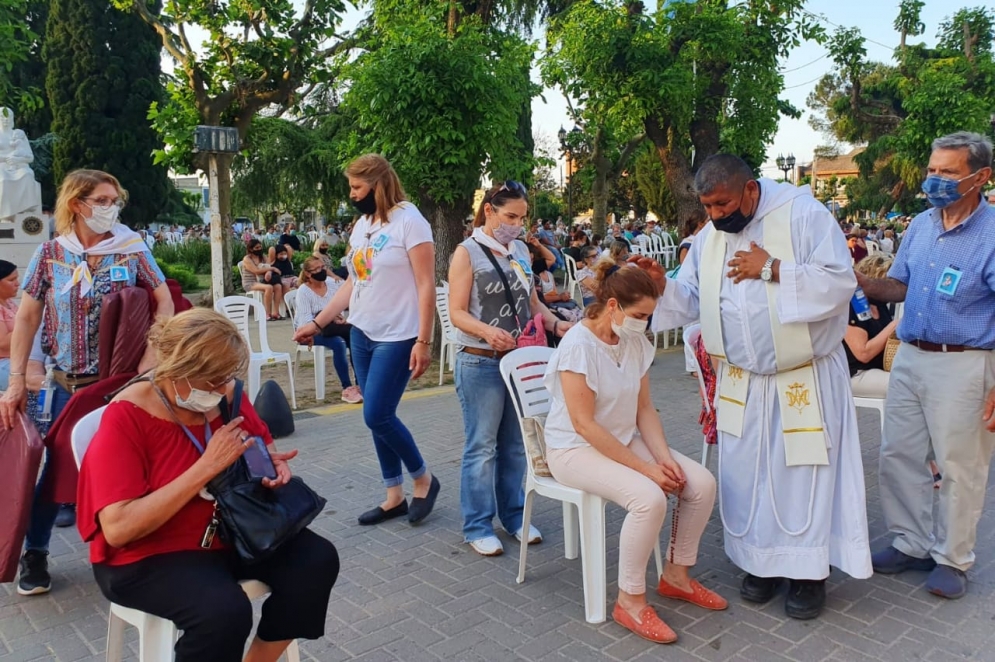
(949, 280)
(380, 242)
(119, 274)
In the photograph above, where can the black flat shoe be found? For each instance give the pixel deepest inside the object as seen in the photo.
(806, 598)
(421, 507)
(758, 589)
(378, 514)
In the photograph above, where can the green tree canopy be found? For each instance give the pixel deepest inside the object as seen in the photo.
(102, 74)
(443, 105)
(699, 77)
(898, 110)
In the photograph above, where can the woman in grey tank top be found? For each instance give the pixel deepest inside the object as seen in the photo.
(488, 320)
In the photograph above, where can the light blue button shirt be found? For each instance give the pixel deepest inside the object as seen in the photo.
(940, 307)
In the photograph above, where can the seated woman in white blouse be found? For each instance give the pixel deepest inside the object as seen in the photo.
(604, 436)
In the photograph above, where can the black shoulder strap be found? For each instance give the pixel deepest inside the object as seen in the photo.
(236, 404)
(504, 281)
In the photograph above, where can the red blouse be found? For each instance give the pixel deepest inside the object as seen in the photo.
(133, 454)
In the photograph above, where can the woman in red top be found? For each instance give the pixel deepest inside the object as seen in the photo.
(142, 506)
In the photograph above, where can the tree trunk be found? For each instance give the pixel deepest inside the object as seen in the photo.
(599, 192)
(678, 171)
(448, 223)
(896, 193)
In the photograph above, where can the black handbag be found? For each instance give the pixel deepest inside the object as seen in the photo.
(253, 518)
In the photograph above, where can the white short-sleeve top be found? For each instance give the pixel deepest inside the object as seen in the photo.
(613, 372)
(384, 303)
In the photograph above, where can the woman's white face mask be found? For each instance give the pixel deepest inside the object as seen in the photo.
(199, 401)
(629, 325)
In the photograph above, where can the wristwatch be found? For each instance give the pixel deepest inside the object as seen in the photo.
(767, 273)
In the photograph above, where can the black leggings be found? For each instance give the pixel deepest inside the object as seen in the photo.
(199, 592)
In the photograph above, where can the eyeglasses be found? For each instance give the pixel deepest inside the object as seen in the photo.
(104, 204)
(215, 387)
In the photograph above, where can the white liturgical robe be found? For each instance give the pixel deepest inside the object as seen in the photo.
(783, 521)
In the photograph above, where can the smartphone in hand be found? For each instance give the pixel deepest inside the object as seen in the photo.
(258, 460)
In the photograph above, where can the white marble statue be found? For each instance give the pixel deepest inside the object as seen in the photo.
(18, 190)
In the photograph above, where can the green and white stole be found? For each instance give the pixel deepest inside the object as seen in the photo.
(797, 386)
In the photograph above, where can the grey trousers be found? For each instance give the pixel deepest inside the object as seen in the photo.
(935, 403)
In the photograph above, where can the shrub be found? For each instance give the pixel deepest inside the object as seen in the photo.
(181, 274)
(194, 255)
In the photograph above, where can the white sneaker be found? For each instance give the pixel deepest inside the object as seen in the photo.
(534, 536)
(489, 546)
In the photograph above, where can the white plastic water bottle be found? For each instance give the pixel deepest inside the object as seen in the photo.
(860, 305)
(46, 395)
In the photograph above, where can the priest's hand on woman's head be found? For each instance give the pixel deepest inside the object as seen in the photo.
(653, 268)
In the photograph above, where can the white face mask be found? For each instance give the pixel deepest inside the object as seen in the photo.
(629, 326)
(198, 400)
(102, 220)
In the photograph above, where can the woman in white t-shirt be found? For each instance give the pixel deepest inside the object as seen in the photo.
(390, 294)
(604, 436)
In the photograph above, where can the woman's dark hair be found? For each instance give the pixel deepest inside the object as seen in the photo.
(280, 248)
(627, 285)
(588, 251)
(497, 197)
(252, 243)
(580, 235)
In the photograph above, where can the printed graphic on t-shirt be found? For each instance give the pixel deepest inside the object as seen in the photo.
(362, 264)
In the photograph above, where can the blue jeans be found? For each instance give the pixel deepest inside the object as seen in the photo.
(43, 512)
(493, 457)
(383, 374)
(4, 374)
(339, 358)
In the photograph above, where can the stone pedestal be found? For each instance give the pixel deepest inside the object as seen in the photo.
(19, 238)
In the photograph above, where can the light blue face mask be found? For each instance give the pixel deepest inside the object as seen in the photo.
(942, 192)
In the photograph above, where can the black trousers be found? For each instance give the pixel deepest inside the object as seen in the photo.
(199, 592)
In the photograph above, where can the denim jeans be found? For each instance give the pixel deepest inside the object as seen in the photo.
(493, 455)
(382, 372)
(43, 512)
(339, 358)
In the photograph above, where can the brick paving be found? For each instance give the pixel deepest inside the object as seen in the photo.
(416, 594)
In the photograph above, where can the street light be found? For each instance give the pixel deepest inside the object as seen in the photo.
(786, 164)
(562, 134)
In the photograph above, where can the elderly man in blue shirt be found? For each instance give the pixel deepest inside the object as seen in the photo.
(941, 396)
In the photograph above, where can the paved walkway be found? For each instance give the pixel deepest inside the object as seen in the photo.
(417, 594)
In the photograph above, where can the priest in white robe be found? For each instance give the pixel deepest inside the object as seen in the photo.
(789, 510)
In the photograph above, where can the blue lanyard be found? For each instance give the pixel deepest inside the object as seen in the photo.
(207, 425)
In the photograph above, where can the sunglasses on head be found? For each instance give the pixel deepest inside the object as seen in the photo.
(511, 186)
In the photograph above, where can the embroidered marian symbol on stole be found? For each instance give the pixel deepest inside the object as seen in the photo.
(797, 396)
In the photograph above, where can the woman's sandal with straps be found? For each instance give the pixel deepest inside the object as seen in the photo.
(698, 595)
(649, 626)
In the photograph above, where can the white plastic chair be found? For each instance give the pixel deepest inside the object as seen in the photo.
(236, 309)
(447, 348)
(522, 371)
(872, 247)
(871, 403)
(156, 636)
(252, 294)
(669, 250)
(570, 283)
(317, 351)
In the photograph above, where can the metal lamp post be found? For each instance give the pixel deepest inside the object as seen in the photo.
(786, 164)
(562, 134)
